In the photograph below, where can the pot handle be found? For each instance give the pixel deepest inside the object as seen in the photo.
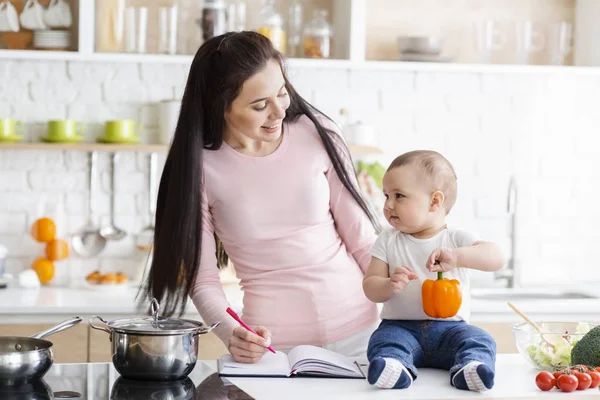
(206, 329)
(100, 328)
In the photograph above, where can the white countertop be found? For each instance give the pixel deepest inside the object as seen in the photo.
(514, 380)
(46, 304)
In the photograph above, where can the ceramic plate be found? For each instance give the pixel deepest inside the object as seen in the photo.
(119, 141)
(11, 139)
(75, 139)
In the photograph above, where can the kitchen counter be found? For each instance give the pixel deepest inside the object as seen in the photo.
(100, 381)
(48, 304)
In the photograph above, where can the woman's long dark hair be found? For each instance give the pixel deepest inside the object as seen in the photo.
(218, 71)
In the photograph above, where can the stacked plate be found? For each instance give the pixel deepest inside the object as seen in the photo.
(51, 39)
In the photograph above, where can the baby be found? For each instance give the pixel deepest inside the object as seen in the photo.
(420, 189)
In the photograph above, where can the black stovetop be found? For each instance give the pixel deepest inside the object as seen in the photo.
(100, 381)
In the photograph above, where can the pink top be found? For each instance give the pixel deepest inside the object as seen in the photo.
(299, 242)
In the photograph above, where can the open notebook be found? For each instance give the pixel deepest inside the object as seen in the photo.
(301, 361)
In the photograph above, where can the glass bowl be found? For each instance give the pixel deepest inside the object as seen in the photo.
(551, 349)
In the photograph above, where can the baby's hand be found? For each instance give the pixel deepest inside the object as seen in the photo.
(441, 260)
(401, 277)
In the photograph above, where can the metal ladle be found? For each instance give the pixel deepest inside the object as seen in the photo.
(88, 242)
(147, 234)
(110, 231)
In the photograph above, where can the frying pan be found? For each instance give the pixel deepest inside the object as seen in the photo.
(24, 359)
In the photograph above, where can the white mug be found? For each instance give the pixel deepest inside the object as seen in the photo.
(32, 16)
(58, 14)
(9, 18)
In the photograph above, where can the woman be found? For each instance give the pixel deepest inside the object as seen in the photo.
(256, 166)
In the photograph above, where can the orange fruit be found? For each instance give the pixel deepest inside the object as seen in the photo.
(44, 269)
(57, 250)
(43, 230)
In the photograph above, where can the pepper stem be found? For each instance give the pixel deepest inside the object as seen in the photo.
(440, 275)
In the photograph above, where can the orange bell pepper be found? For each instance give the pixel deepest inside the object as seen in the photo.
(441, 297)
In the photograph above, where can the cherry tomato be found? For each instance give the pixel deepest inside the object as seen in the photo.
(597, 369)
(580, 368)
(568, 382)
(595, 376)
(545, 381)
(556, 375)
(584, 380)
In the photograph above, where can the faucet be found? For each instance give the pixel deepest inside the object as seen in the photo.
(509, 272)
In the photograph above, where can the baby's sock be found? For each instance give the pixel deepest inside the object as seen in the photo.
(389, 373)
(474, 376)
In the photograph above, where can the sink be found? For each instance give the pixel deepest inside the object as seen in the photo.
(530, 294)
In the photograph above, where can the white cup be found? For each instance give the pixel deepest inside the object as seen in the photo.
(9, 18)
(58, 14)
(32, 16)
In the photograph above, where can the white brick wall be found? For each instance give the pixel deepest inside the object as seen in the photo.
(540, 127)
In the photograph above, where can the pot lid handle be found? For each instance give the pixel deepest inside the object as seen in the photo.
(154, 307)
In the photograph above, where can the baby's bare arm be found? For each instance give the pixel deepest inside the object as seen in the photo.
(483, 256)
(376, 283)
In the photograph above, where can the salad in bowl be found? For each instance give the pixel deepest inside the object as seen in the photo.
(549, 349)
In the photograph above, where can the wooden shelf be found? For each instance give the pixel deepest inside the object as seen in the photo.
(298, 62)
(149, 148)
(85, 147)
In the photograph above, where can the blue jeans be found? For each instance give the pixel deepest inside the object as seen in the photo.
(448, 345)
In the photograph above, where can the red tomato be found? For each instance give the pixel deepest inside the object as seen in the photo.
(545, 381)
(568, 382)
(580, 368)
(597, 369)
(584, 380)
(556, 375)
(595, 376)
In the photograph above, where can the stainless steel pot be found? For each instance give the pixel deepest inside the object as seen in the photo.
(154, 348)
(24, 359)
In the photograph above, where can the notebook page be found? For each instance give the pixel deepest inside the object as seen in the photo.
(320, 359)
(269, 364)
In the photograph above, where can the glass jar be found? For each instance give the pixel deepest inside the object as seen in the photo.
(214, 19)
(294, 36)
(317, 36)
(271, 26)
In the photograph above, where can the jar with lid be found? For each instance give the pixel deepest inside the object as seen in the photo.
(317, 36)
(272, 26)
(213, 21)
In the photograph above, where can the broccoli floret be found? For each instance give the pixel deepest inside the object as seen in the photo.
(587, 350)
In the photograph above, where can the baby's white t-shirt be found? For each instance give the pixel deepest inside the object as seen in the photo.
(398, 249)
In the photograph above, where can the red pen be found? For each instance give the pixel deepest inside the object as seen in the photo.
(238, 319)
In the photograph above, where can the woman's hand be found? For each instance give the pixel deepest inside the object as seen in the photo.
(246, 347)
(442, 260)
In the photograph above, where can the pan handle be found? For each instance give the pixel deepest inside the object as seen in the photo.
(57, 328)
(100, 328)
